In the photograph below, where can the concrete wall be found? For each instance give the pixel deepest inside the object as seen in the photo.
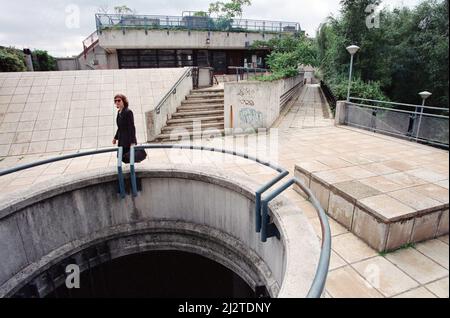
(67, 64)
(96, 59)
(62, 217)
(156, 120)
(163, 39)
(255, 104)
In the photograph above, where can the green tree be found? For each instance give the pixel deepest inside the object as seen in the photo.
(228, 10)
(11, 60)
(123, 9)
(287, 53)
(408, 53)
(42, 61)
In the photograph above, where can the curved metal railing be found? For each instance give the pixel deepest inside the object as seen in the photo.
(261, 204)
(118, 150)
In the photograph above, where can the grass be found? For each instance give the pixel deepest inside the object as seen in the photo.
(403, 247)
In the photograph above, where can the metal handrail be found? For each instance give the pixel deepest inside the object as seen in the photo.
(119, 151)
(398, 110)
(105, 20)
(320, 277)
(261, 220)
(261, 215)
(241, 71)
(399, 104)
(173, 89)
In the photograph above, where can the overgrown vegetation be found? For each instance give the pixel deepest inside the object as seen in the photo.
(11, 60)
(407, 54)
(42, 61)
(287, 53)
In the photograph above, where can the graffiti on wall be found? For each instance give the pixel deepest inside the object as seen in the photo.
(251, 117)
(246, 96)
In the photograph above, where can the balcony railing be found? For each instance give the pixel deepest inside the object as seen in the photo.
(148, 22)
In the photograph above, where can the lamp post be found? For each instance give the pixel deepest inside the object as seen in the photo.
(424, 95)
(352, 49)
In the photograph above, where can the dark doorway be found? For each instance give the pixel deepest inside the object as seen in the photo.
(158, 274)
(219, 62)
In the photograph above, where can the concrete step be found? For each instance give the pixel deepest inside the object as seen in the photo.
(191, 135)
(201, 101)
(205, 96)
(190, 127)
(190, 120)
(200, 107)
(199, 114)
(207, 90)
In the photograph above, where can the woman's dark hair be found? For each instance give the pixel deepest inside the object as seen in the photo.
(123, 98)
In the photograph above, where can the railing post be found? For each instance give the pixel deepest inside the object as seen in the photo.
(264, 220)
(373, 121)
(133, 172)
(120, 173)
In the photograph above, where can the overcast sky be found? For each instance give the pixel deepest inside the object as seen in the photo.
(55, 26)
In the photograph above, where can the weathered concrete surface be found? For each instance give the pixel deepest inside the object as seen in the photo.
(255, 104)
(179, 39)
(62, 217)
(156, 119)
(65, 111)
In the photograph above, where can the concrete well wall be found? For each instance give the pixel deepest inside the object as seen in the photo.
(203, 212)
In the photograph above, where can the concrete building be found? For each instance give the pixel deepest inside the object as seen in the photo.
(149, 41)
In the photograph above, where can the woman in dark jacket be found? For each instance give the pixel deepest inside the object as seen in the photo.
(126, 132)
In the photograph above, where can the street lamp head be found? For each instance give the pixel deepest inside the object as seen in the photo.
(425, 95)
(352, 49)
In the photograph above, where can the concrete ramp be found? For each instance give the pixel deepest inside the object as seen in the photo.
(57, 112)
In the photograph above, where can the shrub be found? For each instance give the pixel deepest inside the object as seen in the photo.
(42, 61)
(360, 89)
(11, 60)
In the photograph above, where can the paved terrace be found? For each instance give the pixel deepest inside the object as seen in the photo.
(309, 140)
(50, 112)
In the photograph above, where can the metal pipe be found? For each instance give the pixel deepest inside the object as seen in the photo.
(350, 78)
(265, 207)
(320, 277)
(133, 173)
(401, 104)
(396, 110)
(120, 173)
(54, 159)
(258, 194)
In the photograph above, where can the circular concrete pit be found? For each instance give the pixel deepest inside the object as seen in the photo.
(82, 220)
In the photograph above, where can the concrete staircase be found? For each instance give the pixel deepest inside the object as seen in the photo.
(203, 109)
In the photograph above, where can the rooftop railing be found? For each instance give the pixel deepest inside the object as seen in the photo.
(206, 23)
